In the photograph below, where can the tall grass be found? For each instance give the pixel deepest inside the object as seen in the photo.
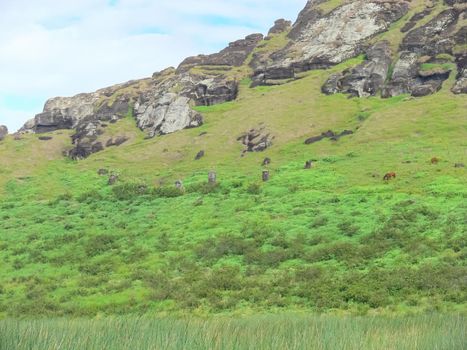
(287, 331)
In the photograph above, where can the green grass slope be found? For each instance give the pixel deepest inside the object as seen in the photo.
(335, 238)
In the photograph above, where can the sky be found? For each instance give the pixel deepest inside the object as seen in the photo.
(54, 48)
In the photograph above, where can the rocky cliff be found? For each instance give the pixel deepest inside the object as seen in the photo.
(425, 59)
(427, 44)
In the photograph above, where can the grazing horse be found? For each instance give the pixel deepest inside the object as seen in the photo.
(389, 176)
(434, 160)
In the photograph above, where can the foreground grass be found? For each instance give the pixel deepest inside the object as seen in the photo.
(288, 331)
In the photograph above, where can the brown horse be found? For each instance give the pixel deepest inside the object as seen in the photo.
(434, 160)
(389, 176)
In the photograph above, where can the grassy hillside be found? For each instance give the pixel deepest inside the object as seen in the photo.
(332, 239)
(336, 237)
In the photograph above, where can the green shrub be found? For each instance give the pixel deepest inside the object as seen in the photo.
(128, 191)
(168, 192)
(348, 228)
(64, 197)
(90, 196)
(254, 188)
(100, 244)
(319, 221)
(203, 188)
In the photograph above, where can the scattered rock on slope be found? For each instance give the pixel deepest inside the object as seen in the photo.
(328, 135)
(117, 141)
(256, 140)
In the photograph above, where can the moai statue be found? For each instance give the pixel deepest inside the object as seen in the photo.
(112, 179)
(179, 184)
(212, 178)
(265, 175)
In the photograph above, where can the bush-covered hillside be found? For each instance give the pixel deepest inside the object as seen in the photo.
(332, 237)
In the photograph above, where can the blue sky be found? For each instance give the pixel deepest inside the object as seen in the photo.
(64, 47)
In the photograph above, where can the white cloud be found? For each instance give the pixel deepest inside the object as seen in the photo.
(63, 47)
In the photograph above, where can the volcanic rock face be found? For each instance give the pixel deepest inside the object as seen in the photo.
(421, 68)
(365, 79)
(461, 85)
(3, 132)
(69, 112)
(320, 41)
(165, 102)
(234, 55)
(434, 37)
(85, 140)
(423, 64)
(415, 18)
(461, 59)
(161, 104)
(166, 114)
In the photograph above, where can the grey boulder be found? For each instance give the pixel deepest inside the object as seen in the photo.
(3, 132)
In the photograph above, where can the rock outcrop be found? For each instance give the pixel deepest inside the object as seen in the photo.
(234, 55)
(434, 37)
(256, 140)
(414, 20)
(320, 41)
(460, 86)
(365, 79)
(85, 140)
(161, 104)
(320, 38)
(328, 135)
(280, 26)
(116, 141)
(424, 64)
(424, 61)
(109, 104)
(165, 114)
(3, 132)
